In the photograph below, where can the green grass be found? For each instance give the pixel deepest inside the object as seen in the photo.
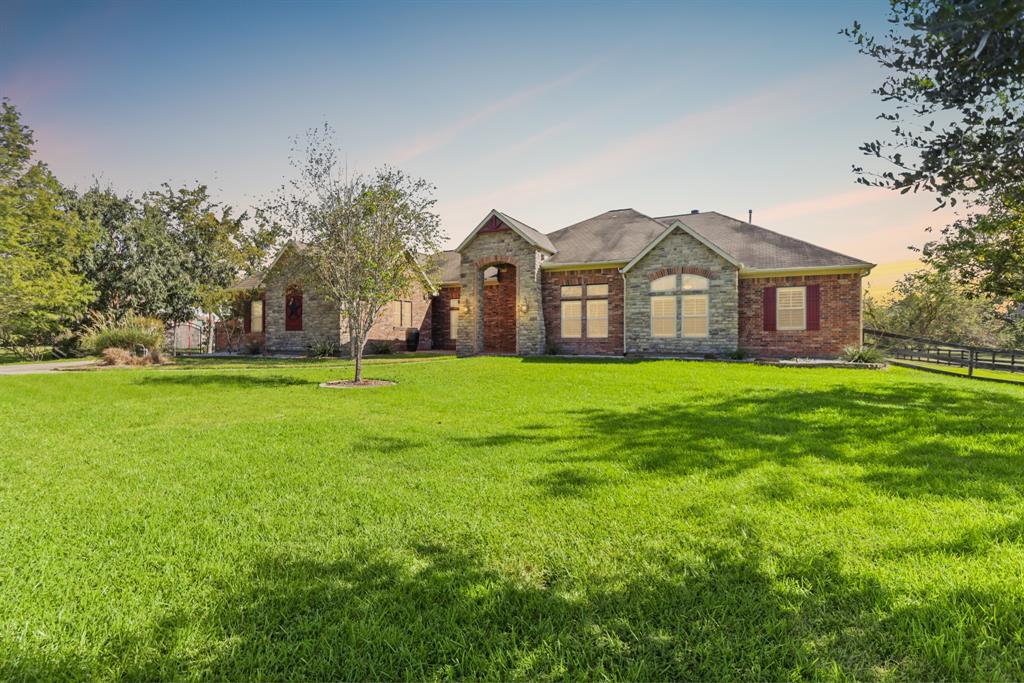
(504, 518)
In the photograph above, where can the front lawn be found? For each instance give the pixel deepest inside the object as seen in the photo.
(503, 518)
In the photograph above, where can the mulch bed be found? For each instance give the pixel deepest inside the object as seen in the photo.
(349, 384)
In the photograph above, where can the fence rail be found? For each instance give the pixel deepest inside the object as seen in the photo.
(901, 347)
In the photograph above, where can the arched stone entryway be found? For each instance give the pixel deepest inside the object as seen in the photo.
(499, 308)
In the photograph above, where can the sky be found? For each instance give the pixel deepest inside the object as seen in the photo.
(551, 112)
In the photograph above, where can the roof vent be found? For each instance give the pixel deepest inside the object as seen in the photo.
(694, 210)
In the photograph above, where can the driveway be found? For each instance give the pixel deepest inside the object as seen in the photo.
(37, 368)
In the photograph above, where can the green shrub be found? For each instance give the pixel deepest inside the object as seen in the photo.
(323, 348)
(738, 354)
(136, 334)
(862, 354)
(254, 347)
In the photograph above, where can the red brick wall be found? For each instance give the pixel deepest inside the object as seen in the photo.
(247, 340)
(440, 309)
(551, 284)
(500, 311)
(840, 317)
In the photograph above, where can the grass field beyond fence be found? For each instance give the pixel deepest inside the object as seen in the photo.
(508, 518)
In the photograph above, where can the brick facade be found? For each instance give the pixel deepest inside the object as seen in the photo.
(441, 318)
(681, 253)
(840, 325)
(552, 283)
(500, 311)
(494, 247)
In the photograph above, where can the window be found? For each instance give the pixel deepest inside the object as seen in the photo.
(572, 323)
(256, 316)
(664, 284)
(791, 308)
(597, 290)
(663, 316)
(694, 283)
(293, 310)
(453, 319)
(597, 316)
(403, 313)
(695, 315)
(573, 292)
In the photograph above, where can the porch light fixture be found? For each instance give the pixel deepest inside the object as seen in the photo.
(524, 307)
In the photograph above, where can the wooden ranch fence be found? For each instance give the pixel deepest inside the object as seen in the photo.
(900, 347)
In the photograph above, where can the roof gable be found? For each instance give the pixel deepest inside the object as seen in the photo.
(611, 237)
(682, 227)
(534, 237)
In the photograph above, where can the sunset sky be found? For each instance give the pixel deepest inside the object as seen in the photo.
(549, 112)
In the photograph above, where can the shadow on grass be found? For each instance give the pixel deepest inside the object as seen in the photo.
(905, 439)
(438, 612)
(223, 379)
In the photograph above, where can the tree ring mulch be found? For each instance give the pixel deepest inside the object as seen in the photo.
(365, 384)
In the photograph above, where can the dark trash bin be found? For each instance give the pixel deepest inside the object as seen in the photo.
(412, 339)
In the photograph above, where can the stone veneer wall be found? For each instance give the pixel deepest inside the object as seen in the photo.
(320, 318)
(390, 330)
(441, 318)
(494, 247)
(679, 251)
(553, 281)
(841, 323)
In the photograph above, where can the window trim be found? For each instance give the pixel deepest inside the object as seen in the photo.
(453, 318)
(261, 318)
(802, 327)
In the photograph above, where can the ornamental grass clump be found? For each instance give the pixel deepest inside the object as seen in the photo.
(862, 354)
(137, 335)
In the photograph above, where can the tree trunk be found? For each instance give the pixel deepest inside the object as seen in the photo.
(356, 346)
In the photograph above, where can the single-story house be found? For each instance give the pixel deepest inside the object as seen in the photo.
(621, 283)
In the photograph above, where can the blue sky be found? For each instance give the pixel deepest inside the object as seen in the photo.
(551, 112)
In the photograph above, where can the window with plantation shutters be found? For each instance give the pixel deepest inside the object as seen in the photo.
(695, 315)
(663, 316)
(791, 308)
(572, 319)
(597, 318)
(256, 316)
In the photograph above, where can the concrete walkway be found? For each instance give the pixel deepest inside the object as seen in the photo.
(37, 368)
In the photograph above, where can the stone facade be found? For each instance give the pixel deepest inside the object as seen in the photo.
(553, 281)
(677, 253)
(840, 322)
(493, 248)
(321, 319)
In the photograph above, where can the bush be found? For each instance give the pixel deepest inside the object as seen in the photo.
(325, 348)
(254, 348)
(738, 354)
(135, 334)
(552, 348)
(380, 349)
(862, 354)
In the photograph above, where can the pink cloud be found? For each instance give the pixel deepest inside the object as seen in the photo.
(860, 196)
(444, 136)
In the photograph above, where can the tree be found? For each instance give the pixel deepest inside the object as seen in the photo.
(363, 235)
(957, 84)
(928, 304)
(41, 294)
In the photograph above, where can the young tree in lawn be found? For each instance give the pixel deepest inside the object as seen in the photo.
(363, 235)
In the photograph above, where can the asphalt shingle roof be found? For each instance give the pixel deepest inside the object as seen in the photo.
(613, 236)
(538, 238)
(759, 248)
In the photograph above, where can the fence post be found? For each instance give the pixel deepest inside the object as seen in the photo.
(970, 368)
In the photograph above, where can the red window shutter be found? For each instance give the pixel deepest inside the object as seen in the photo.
(293, 311)
(247, 317)
(769, 309)
(813, 307)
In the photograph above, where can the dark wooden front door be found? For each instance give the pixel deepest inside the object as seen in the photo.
(500, 311)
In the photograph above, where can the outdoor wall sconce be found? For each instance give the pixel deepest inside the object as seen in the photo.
(464, 307)
(524, 307)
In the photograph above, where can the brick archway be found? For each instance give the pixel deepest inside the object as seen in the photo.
(499, 307)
